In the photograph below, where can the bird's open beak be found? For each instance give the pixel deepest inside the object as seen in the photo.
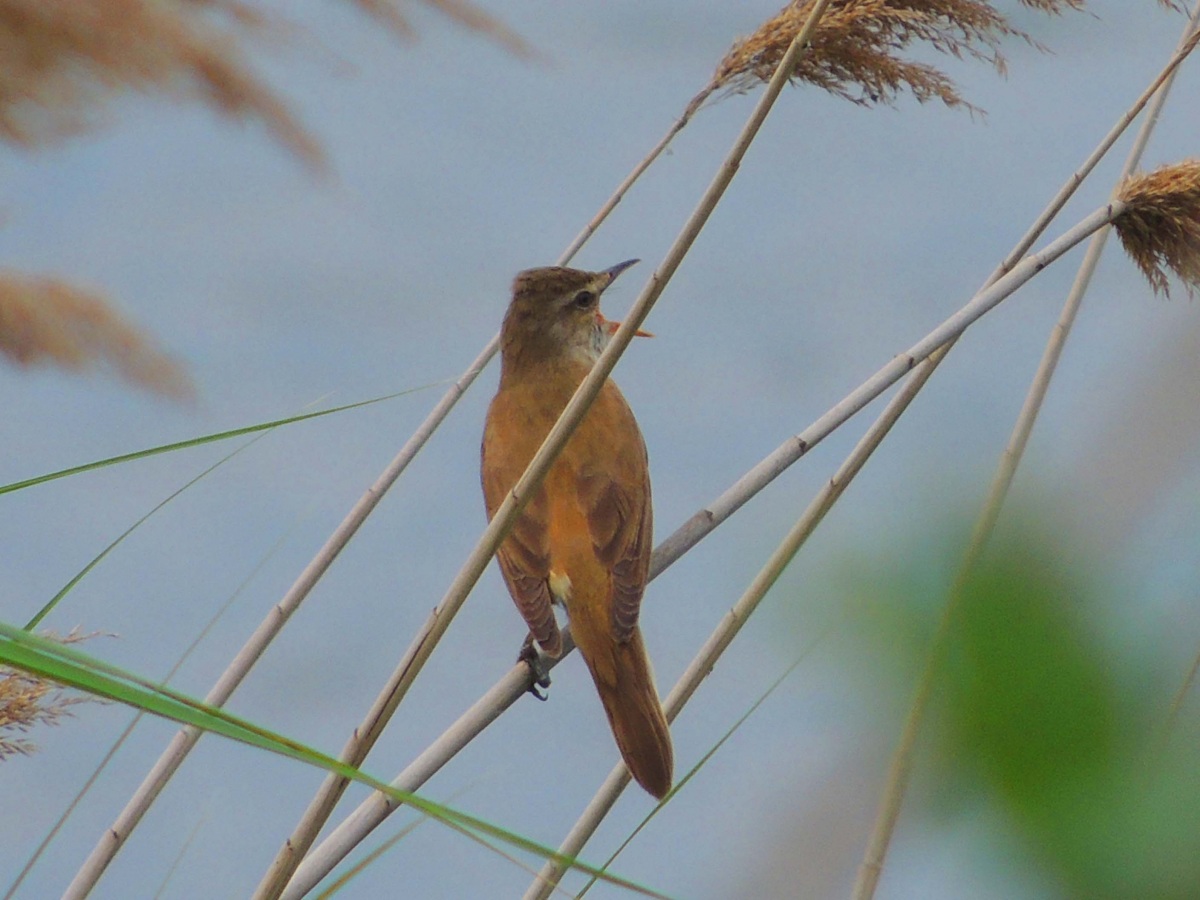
(611, 327)
(613, 271)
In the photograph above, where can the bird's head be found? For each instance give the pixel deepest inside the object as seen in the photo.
(555, 312)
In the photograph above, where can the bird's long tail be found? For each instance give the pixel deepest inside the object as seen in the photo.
(635, 714)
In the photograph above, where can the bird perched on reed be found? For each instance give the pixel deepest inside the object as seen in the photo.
(583, 539)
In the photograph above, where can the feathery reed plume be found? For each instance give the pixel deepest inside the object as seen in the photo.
(27, 701)
(1161, 228)
(1055, 7)
(62, 60)
(471, 16)
(854, 52)
(464, 13)
(47, 320)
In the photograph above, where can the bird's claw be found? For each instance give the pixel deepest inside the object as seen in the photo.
(533, 657)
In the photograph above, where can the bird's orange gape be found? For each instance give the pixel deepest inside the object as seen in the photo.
(584, 537)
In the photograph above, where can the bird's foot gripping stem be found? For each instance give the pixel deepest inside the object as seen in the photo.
(532, 656)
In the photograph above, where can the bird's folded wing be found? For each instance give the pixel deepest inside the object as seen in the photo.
(620, 523)
(525, 560)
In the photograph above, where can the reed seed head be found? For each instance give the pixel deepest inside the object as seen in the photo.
(471, 16)
(1054, 7)
(63, 60)
(854, 52)
(47, 320)
(1160, 229)
(27, 701)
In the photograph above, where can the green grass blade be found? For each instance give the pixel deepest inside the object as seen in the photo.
(79, 576)
(707, 756)
(204, 439)
(359, 867)
(65, 665)
(174, 867)
(128, 730)
(375, 855)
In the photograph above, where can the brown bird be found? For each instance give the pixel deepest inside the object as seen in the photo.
(584, 538)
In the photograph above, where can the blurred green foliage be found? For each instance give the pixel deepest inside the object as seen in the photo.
(1037, 715)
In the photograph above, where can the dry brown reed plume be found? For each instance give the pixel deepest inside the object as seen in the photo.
(1161, 228)
(471, 16)
(27, 701)
(47, 320)
(62, 60)
(854, 53)
(1054, 7)
(466, 14)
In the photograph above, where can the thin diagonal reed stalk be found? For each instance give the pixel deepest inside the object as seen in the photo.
(179, 856)
(900, 766)
(323, 858)
(606, 796)
(697, 528)
(185, 739)
(321, 806)
(119, 742)
(297, 843)
(425, 642)
(517, 680)
(1180, 695)
(635, 173)
(369, 859)
(704, 661)
(240, 666)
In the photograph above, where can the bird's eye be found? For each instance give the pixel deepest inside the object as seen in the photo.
(584, 300)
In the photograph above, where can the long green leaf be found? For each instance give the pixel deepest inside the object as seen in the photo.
(128, 730)
(363, 864)
(66, 665)
(79, 576)
(204, 439)
(712, 751)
